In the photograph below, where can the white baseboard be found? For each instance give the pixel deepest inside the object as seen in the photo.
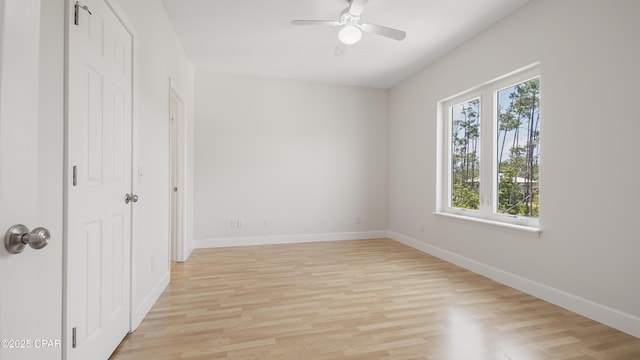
(189, 251)
(616, 319)
(286, 239)
(143, 309)
(184, 256)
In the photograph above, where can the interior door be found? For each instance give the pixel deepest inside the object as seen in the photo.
(99, 177)
(30, 181)
(174, 176)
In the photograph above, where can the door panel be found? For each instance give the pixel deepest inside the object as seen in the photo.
(119, 124)
(99, 149)
(93, 127)
(30, 186)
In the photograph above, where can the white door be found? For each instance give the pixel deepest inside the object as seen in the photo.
(177, 110)
(175, 118)
(30, 192)
(99, 176)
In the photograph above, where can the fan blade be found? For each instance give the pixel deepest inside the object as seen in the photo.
(315, 22)
(357, 7)
(384, 31)
(341, 48)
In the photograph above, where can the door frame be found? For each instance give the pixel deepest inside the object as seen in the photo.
(118, 12)
(177, 247)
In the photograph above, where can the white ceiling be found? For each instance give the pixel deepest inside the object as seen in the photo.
(255, 37)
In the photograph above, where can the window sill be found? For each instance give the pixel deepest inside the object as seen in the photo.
(527, 229)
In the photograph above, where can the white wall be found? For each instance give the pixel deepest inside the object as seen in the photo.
(307, 158)
(587, 256)
(158, 57)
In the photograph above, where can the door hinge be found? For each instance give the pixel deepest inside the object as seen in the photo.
(75, 175)
(76, 13)
(73, 338)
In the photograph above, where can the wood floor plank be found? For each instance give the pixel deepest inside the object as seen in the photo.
(367, 299)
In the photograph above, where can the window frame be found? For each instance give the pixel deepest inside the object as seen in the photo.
(488, 95)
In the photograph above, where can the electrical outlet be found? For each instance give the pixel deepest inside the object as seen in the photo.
(421, 227)
(358, 220)
(265, 223)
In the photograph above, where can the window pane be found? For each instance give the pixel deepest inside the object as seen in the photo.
(518, 149)
(465, 155)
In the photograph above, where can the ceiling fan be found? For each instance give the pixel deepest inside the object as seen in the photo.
(352, 27)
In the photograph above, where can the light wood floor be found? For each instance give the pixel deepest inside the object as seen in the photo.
(369, 299)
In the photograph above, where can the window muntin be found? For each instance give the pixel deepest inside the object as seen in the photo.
(492, 195)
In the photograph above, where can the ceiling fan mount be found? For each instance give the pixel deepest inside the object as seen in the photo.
(352, 27)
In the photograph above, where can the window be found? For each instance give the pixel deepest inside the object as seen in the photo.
(465, 154)
(490, 165)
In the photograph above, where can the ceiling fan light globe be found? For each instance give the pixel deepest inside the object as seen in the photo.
(349, 35)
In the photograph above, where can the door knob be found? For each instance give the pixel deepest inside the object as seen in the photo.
(18, 236)
(130, 198)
